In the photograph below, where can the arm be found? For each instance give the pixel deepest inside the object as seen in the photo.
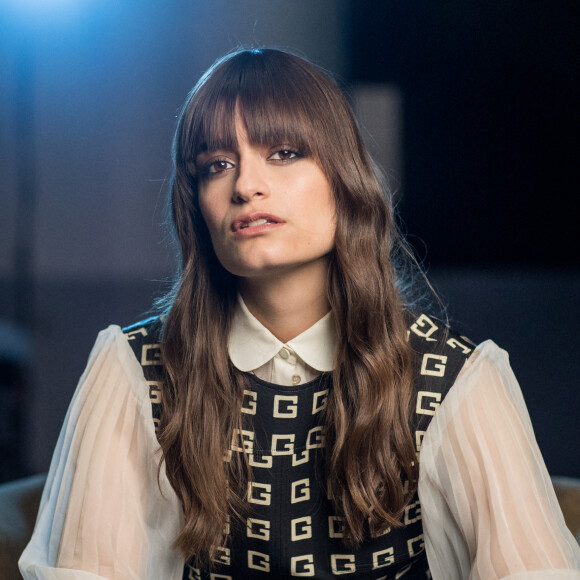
(102, 514)
(489, 508)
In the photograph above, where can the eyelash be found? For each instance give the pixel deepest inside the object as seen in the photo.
(295, 154)
(209, 169)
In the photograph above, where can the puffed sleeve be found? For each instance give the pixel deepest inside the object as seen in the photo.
(103, 514)
(489, 509)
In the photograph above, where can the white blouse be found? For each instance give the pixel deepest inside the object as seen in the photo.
(488, 507)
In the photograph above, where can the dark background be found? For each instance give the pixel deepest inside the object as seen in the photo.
(486, 174)
(491, 127)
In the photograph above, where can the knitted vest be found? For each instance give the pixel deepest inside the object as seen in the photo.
(292, 530)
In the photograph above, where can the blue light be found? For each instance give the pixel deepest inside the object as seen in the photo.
(44, 6)
(41, 12)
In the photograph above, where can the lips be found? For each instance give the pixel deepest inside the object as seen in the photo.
(254, 220)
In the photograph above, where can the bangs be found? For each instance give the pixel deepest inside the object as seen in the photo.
(277, 104)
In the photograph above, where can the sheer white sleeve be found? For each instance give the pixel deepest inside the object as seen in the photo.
(102, 514)
(489, 509)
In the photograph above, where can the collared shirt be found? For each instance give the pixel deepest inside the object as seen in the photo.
(487, 504)
(253, 348)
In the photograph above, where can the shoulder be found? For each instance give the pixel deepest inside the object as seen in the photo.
(148, 328)
(485, 390)
(438, 354)
(144, 338)
(111, 371)
(439, 351)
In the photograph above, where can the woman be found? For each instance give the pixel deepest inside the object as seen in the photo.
(292, 381)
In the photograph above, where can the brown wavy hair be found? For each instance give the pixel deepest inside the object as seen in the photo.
(282, 98)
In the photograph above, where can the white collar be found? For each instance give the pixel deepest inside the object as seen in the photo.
(252, 345)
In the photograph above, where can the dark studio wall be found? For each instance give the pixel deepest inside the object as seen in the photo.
(491, 94)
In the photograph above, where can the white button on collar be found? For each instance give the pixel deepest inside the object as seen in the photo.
(284, 354)
(296, 379)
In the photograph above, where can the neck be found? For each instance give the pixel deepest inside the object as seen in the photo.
(287, 305)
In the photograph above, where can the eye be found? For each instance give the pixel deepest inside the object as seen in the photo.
(285, 154)
(217, 166)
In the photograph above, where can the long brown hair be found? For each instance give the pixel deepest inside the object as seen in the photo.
(285, 99)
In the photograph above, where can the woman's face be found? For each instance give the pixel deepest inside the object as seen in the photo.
(269, 210)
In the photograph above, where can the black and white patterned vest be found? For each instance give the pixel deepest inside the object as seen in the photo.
(292, 531)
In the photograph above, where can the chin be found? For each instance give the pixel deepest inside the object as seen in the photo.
(266, 265)
(244, 270)
(254, 267)
(254, 271)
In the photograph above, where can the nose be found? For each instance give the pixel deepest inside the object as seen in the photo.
(251, 180)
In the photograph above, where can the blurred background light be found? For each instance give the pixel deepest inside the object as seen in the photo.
(42, 13)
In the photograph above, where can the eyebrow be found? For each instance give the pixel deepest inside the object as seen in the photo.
(204, 148)
(201, 148)
(203, 152)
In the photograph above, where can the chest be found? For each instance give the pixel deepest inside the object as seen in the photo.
(292, 530)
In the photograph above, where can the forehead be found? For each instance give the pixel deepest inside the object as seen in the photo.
(260, 122)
